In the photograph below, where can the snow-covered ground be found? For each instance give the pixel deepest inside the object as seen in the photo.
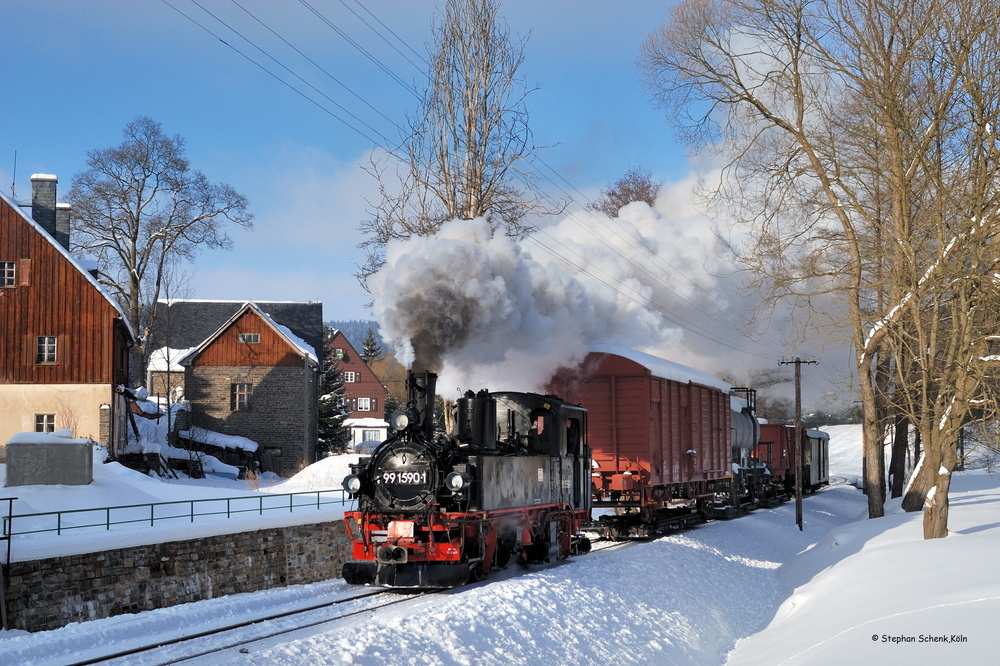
(751, 591)
(117, 486)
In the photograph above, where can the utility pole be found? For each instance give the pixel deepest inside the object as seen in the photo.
(799, 450)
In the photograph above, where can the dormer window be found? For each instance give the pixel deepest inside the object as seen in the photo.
(249, 338)
(8, 273)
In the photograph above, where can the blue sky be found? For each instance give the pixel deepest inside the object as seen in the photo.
(76, 72)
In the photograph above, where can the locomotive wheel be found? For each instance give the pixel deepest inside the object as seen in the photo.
(504, 553)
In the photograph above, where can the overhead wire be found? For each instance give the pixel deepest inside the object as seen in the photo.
(314, 63)
(649, 253)
(378, 63)
(272, 74)
(383, 37)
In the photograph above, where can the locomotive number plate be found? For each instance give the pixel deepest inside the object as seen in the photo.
(404, 477)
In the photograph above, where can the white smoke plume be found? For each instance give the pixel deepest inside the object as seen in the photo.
(485, 311)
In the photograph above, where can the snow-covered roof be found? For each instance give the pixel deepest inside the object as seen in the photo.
(366, 423)
(202, 436)
(663, 368)
(76, 263)
(166, 359)
(286, 332)
(298, 343)
(56, 437)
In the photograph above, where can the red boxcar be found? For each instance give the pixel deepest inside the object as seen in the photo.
(660, 432)
(776, 449)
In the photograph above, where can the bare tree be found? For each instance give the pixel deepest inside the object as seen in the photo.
(855, 163)
(137, 209)
(636, 185)
(468, 148)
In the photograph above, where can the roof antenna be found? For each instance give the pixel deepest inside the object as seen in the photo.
(13, 180)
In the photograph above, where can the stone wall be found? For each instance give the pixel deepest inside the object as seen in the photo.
(283, 412)
(47, 594)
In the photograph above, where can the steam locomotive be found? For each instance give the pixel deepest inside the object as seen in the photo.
(437, 511)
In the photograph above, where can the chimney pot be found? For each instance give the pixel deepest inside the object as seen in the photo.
(63, 211)
(43, 201)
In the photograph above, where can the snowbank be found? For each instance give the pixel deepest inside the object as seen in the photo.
(876, 588)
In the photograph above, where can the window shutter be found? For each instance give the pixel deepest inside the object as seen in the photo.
(24, 273)
(232, 397)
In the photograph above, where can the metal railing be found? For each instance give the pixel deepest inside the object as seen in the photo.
(149, 514)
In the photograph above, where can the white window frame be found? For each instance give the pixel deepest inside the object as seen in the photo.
(46, 349)
(364, 404)
(8, 274)
(350, 377)
(249, 338)
(45, 422)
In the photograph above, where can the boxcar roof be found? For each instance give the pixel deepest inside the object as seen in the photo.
(663, 368)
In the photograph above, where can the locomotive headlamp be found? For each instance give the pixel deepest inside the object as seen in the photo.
(399, 421)
(352, 484)
(455, 482)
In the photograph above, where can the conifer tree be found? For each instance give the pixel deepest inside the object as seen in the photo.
(370, 347)
(333, 435)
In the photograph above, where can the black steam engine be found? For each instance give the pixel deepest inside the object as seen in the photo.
(436, 510)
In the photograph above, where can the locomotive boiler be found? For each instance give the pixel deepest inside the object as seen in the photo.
(437, 510)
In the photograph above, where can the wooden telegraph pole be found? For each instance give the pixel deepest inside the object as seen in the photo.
(799, 450)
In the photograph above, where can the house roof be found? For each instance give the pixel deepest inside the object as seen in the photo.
(187, 323)
(296, 342)
(76, 263)
(337, 335)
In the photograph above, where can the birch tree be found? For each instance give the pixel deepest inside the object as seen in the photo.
(854, 167)
(468, 149)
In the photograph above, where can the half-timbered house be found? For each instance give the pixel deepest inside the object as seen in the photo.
(65, 340)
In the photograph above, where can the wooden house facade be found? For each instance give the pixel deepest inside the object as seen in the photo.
(66, 342)
(363, 391)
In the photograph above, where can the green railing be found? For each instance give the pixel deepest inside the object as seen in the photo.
(149, 514)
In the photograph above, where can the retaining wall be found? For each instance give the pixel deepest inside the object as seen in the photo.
(50, 593)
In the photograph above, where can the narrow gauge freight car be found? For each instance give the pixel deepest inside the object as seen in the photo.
(816, 461)
(776, 450)
(436, 510)
(661, 439)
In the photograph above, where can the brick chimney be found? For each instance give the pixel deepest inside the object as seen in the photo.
(49, 215)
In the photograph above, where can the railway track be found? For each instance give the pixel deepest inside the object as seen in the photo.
(219, 639)
(202, 646)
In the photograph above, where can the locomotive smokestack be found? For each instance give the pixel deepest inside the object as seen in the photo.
(422, 386)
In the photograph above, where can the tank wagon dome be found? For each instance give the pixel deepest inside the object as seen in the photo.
(660, 367)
